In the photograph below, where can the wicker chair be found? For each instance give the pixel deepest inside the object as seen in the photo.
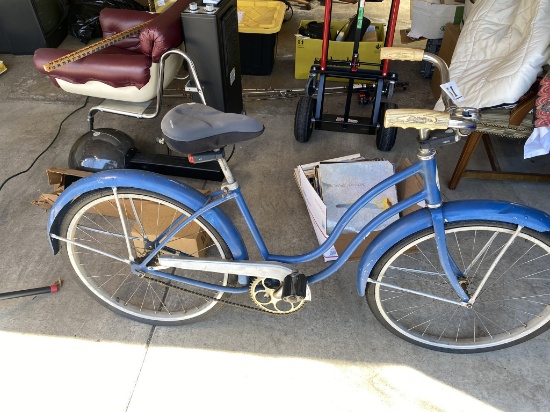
(512, 124)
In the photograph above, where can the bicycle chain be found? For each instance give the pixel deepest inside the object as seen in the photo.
(240, 305)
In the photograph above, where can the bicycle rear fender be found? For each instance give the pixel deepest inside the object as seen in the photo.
(452, 212)
(152, 182)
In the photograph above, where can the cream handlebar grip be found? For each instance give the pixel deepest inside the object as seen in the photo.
(417, 119)
(401, 53)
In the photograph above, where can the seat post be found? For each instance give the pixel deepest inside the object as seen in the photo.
(231, 183)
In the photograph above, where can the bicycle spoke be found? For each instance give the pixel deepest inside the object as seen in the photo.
(507, 267)
(107, 226)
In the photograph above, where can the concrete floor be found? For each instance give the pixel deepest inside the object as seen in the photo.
(64, 352)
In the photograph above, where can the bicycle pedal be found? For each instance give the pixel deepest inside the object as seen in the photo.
(294, 288)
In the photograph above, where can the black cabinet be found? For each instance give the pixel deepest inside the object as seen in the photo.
(212, 42)
(26, 25)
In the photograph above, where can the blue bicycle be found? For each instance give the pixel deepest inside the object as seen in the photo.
(465, 276)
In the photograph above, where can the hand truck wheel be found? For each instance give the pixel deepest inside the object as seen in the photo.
(385, 136)
(303, 120)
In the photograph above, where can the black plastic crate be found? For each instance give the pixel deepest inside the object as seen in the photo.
(257, 53)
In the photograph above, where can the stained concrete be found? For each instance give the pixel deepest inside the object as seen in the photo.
(64, 352)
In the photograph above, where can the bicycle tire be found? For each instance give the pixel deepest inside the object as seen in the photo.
(93, 219)
(513, 306)
(385, 136)
(303, 126)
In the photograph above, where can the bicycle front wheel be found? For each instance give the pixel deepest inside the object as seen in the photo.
(513, 305)
(108, 231)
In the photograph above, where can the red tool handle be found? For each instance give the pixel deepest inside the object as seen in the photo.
(390, 34)
(326, 34)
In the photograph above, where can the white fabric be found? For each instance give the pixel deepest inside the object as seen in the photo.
(502, 47)
(538, 143)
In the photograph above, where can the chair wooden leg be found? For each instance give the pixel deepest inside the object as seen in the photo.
(491, 153)
(464, 159)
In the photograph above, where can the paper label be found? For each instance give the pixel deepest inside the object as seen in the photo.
(451, 90)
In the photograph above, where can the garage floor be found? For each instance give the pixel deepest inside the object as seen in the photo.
(64, 352)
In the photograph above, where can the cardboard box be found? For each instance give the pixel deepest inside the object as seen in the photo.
(317, 209)
(155, 219)
(452, 32)
(429, 17)
(308, 49)
(191, 239)
(60, 178)
(405, 39)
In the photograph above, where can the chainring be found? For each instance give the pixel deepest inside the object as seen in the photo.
(262, 292)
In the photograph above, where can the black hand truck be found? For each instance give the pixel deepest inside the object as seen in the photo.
(380, 82)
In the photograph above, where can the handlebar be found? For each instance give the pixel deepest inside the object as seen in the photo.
(461, 120)
(417, 55)
(417, 118)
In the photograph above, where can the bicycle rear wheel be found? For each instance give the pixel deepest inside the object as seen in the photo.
(94, 220)
(513, 306)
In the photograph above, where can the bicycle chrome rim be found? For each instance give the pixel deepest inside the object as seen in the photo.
(100, 285)
(512, 307)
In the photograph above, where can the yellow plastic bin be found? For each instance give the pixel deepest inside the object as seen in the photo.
(259, 24)
(161, 5)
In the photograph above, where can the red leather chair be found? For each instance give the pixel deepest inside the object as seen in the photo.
(129, 70)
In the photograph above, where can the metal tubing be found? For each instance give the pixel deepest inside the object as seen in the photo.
(31, 292)
(444, 72)
(160, 88)
(443, 252)
(352, 211)
(197, 283)
(431, 178)
(372, 225)
(27, 292)
(178, 225)
(388, 42)
(428, 295)
(326, 34)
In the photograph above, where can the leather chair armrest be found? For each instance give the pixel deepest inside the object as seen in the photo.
(114, 21)
(164, 32)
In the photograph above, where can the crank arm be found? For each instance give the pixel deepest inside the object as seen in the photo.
(262, 269)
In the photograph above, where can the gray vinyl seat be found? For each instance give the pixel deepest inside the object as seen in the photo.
(195, 128)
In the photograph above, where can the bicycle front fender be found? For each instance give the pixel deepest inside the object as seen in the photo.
(452, 212)
(138, 179)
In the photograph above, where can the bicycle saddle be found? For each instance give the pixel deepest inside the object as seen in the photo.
(194, 128)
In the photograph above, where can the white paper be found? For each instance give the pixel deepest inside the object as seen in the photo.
(317, 212)
(429, 19)
(451, 90)
(538, 143)
(343, 183)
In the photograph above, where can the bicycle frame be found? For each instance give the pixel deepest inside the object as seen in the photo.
(425, 167)
(434, 216)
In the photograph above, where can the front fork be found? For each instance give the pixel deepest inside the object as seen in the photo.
(433, 200)
(452, 272)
